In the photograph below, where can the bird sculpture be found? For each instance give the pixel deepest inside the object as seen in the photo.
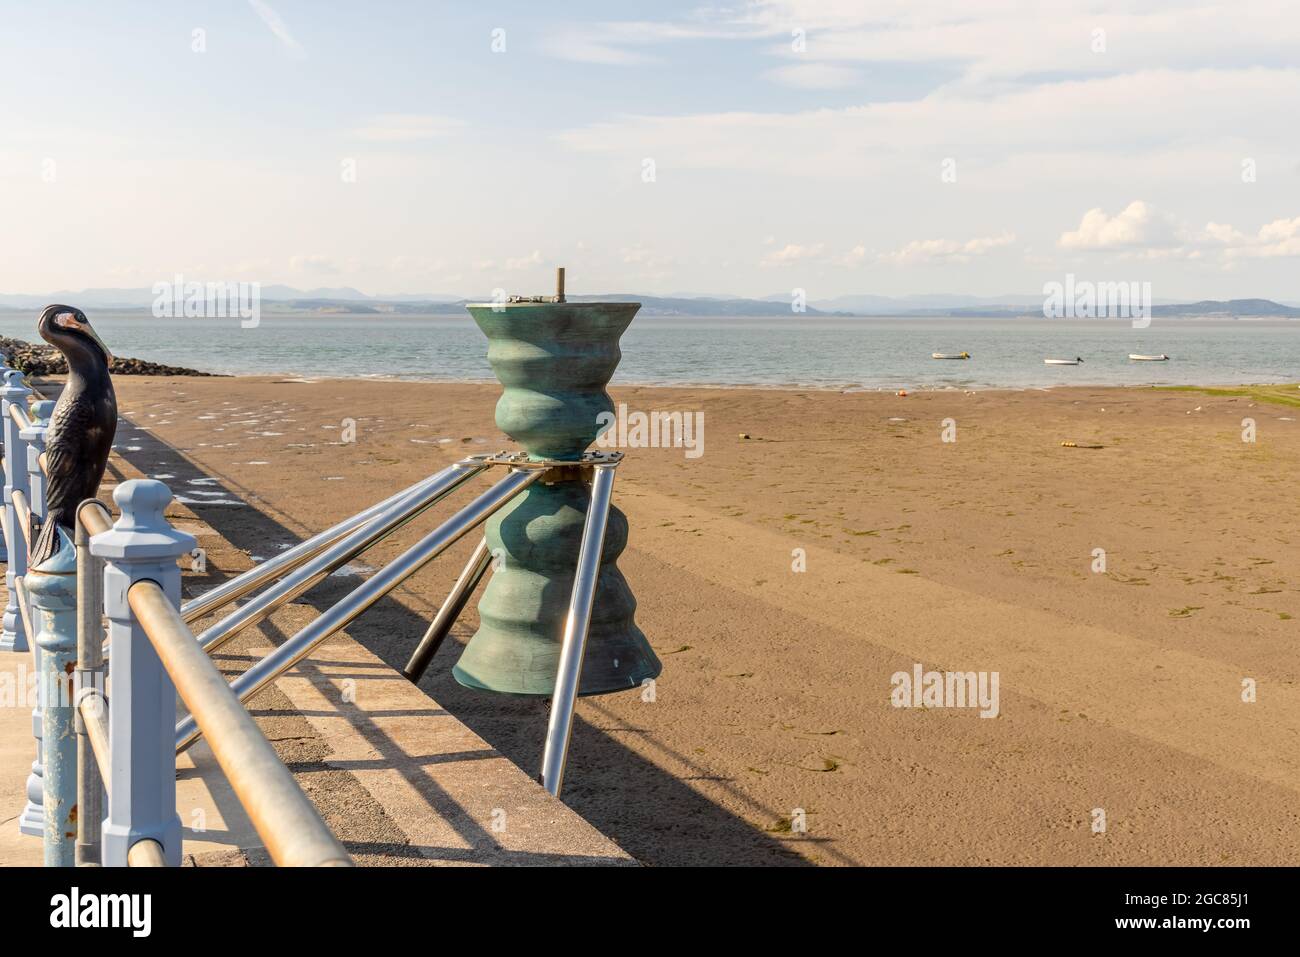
(82, 425)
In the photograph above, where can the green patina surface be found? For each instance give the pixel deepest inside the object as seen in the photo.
(554, 360)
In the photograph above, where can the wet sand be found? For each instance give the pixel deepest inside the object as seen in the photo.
(1120, 690)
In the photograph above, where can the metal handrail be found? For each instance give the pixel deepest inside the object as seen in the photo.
(344, 612)
(284, 563)
(94, 713)
(23, 513)
(94, 517)
(427, 494)
(288, 823)
(146, 852)
(24, 607)
(20, 416)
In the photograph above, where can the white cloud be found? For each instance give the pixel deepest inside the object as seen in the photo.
(1278, 238)
(925, 251)
(277, 26)
(1106, 117)
(525, 262)
(619, 43)
(1141, 231)
(792, 253)
(1137, 224)
(407, 127)
(1010, 39)
(855, 256)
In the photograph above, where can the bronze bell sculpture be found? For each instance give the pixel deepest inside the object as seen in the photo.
(554, 358)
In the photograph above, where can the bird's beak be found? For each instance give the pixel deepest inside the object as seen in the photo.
(108, 356)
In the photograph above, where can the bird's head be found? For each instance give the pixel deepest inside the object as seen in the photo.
(68, 330)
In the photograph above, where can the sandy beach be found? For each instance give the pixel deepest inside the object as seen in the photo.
(1121, 690)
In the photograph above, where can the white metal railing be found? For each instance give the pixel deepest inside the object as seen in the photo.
(124, 740)
(126, 572)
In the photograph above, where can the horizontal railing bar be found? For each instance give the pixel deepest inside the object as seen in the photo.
(427, 494)
(20, 588)
(94, 516)
(282, 564)
(19, 415)
(94, 714)
(344, 612)
(146, 852)
(23, 512)
(287, 823)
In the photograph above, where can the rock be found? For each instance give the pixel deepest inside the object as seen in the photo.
(43, 360)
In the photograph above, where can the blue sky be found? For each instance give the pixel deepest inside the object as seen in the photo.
(838, 147)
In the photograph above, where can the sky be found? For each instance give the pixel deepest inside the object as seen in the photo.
(892, 147)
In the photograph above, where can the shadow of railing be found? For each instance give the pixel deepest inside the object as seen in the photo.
(655, 816)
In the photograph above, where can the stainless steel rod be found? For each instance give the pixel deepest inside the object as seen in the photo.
(21, 418)
(440, 627)
(426, 494)
(93, 713)
(347, 610)
(282, 564)
(92, 517)
(23, 512)
(569, 674)
(288, 824)
(24, 605)
(146, 853)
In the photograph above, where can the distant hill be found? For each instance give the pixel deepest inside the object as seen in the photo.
(1231, 308)
(1205, 309)
(286, 300)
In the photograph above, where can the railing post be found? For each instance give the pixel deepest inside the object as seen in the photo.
(5, 369)
(142, 705)
(53, 590)
(13, 393)
(90, 680)
(33, 439)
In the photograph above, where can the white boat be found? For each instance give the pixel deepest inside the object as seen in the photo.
(1137, 358)
(1064, 362)
(950, 355)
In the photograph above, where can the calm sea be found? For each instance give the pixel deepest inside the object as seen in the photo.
(817, 353)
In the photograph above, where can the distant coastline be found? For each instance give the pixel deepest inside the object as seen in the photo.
(283, 300)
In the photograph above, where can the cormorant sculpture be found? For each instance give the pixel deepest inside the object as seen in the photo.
(81, 427)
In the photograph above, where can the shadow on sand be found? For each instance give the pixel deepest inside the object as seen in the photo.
(653, 815)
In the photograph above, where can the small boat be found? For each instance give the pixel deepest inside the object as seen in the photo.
(1077, 360)
(950, 355)
(1137, 358)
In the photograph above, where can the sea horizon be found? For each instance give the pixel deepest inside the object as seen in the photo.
(823, 353)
